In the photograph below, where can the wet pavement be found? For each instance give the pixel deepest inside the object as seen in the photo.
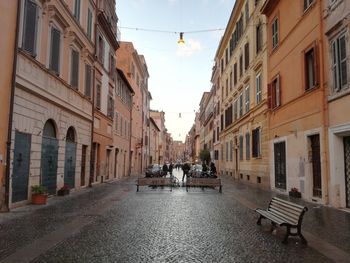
(113, 223)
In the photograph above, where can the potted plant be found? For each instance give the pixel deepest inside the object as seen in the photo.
(294, 192)
(64, 190)
(39, 195)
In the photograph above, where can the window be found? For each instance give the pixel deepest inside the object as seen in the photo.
(241, 147)
(240, 105)
(222, 122)
(258, 38)
(55, 50)
(235, 74)
(110, 107)
(247, 13)
(256, 142)
(258, 94)
(274, 93)
(98, 96)
(222, 66)
(30, 27)
(100, 49)
(111, 65)
(235, 110)
(247, 99)
(226, 56)
(226, 87)
(77, 9)
(231, 150)
(222, 152)
(275, 33)
(247, 146)
(339, 62)
(246, 56)
(307, 4)
(89, 23)
(226, 151)
(217, 133)
(240, 65)
(74, 69)
(310, 69)
(88, 80)
(231, 81)
(228, 116)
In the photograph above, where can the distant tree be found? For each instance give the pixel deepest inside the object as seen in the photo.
(204, 155)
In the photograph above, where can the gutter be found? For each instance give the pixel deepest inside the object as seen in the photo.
(12, 98)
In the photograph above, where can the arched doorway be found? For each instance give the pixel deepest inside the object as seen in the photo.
(70, 158)
(49, 157)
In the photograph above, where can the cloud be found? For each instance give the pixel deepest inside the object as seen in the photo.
(172, 2)
(190, 48)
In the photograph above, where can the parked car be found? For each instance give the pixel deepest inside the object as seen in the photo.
(154, 170)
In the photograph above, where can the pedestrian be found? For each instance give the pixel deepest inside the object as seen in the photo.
(185, 169)
(165, 170)
(213, 169)
(171, 167)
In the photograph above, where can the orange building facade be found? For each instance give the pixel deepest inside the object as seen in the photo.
(296, 98)
(8, 17)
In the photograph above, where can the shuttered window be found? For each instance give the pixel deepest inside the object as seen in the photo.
(98, 96)
(116, 121)
(89, 23)
(88, 80)
(246, 56)
(258, 92)
(256, 142)
(258, 38)
(247, 146)
(110, 107)
(55, 50)
(247, 99)
(275, 37)
(30, 26)
(77, 9)
(241, 105)
(339, 62)
(235, 74)
(241, 65)
(241, 147)
(74, 70)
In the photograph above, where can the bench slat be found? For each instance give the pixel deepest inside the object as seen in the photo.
(285, 217)
(285, 210)
(281, 206)
(288, 203)
(270, 216)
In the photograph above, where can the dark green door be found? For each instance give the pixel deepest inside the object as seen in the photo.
(69, 164)
(49, 156)
(21, 161)
(280, 165)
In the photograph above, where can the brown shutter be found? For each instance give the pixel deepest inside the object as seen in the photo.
(74, 69)
(279, 89)
(30, 27)
(88, 81)
(316, 63)
(269, 95)
(98, 96)
(55, 50)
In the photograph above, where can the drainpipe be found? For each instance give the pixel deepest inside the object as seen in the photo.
(92, 157)
(325, 116)
(12, 97)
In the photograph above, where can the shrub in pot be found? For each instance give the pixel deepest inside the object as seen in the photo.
(39, 195)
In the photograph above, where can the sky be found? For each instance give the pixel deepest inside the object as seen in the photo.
(178, 74)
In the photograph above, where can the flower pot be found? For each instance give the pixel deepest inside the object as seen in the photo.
(39, 199)
(295, 194)
(62, 192)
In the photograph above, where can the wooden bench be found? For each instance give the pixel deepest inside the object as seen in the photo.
(284, 213)
(203, 182)
(154, 181)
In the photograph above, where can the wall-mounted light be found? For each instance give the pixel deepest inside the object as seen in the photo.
(181, 40)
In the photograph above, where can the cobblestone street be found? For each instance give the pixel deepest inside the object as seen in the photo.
(113, 223)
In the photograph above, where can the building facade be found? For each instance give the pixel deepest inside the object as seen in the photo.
(8, 17)
(337, 80)
(154, 142)
(298, 137)
(52, 111)
(132, 65)
(122, 127)
(244, 128)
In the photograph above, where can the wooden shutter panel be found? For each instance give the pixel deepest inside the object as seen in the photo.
(30, 27)
(279, 91)
(98, 96)
(269, 95)
(88, 81)
(74, 69)
(55, 49)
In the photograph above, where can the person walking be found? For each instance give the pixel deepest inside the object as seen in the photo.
(171, 167)
(213, 169)
(185, 169)
(165, 170)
